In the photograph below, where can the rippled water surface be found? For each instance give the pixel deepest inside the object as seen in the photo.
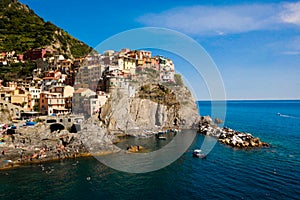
(268, 173)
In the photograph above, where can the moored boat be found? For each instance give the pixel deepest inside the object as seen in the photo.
(197, 153)
(30, 123)
(161, 137)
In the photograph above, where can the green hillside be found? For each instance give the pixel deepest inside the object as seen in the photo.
(21, 29)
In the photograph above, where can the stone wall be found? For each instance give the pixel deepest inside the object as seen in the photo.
(9, 111)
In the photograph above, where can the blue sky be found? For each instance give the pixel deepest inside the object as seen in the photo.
(255, 44)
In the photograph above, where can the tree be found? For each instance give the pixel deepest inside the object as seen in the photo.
(23, 104)
(36, 107)
(178, 79)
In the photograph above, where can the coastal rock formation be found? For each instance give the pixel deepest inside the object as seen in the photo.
(228, 136)
(37, 144)
(135, 149)
(153, 107)
(97, 139)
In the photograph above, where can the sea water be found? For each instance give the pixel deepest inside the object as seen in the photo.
(227, 173)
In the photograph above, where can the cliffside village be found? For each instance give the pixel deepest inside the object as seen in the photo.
(60, 86)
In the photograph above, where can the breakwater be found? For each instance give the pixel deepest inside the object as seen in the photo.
(229, 136)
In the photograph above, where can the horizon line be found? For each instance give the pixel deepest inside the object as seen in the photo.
(248, 99)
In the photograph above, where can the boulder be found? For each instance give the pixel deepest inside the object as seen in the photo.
(218, 121)
(245, 144)
(227, 141)
(252, 143)
(237, 139)
(134, 149)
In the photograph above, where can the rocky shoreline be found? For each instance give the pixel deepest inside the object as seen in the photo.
(228, 136)
(37, 144)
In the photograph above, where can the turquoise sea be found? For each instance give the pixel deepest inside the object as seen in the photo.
(227, 173)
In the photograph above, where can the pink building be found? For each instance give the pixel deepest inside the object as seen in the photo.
(52, 103)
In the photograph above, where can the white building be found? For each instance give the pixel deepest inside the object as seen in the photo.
(167, 69)
(93, 104)
(78, 99)
(167, 76)
(35, 95)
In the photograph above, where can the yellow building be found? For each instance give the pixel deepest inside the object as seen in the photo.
(22, 98)
(130, 65)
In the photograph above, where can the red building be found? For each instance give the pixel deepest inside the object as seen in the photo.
(35, 54)
(20, 57)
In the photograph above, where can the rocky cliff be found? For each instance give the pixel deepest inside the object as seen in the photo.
(153, 107)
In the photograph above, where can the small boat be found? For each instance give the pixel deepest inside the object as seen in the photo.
(161, 137)
(30, 123)
(197, 153)
(13, 127)
(176, 130)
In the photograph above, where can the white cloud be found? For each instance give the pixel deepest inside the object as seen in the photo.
(222, 20)
(291, 13)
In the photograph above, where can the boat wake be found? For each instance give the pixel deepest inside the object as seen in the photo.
(287, 116)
